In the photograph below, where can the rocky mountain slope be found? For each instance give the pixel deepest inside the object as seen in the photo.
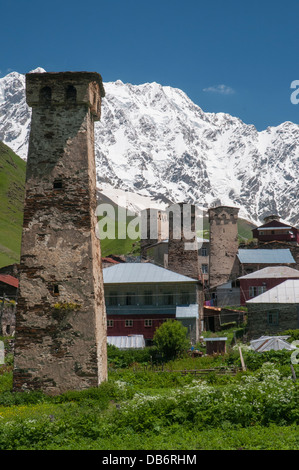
(154, 141)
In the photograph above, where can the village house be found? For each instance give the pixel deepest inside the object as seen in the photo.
(139, 297)
(274, 311)
(260, 281)
(274, 229)
(251, 260)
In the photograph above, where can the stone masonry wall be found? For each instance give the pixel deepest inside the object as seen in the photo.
(258, 319)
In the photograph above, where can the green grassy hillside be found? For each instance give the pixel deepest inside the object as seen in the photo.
(12, 185)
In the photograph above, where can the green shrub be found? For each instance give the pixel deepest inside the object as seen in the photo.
(171, 339)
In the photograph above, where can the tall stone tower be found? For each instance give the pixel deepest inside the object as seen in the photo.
(61, 320)
(154, 228)
(182, 246)
(223, 244)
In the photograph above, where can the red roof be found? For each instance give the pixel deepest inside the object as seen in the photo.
(110, 260)
(10, 280)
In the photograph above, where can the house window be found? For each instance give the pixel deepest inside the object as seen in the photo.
(256, 290)
(168, 298)
(112, 298)
(148, 323)
(252, 291)
(272, 318)
(204, 268)
(130, 298)
(204, 251)
(110, 323)
(185, 298)
(129, 323)
(148, 298)
(261, 289)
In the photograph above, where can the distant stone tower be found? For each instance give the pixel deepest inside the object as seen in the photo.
(150, 230)
(60, 334)
(223, 244)
(182, 256)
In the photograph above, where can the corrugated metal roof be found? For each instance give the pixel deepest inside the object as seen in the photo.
(10, 280)
(216, 339)
(265, 256)
(285, 293)
(127, 342)
(129, 273)
(268, 343)
(272, 272)
(191, 311)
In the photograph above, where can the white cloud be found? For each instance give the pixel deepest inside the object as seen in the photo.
(221, 89)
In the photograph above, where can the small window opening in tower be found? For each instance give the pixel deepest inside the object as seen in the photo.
(45, 95)
(71, 94)
(58, 184)
(55, 289)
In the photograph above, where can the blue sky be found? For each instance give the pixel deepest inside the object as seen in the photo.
(232, 56)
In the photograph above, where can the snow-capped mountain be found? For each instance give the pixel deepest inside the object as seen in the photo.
(153, 141)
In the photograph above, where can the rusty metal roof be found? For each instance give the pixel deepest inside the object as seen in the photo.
(10, 280)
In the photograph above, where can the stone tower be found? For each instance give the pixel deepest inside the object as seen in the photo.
(61, 321)
(223, 244)
(154, 228)
(183, 247)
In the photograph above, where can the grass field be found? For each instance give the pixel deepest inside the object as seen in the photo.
(12, 183)
(141, 409)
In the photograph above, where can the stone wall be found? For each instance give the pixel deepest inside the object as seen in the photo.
(270, 319)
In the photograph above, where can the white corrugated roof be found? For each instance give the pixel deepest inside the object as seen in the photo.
(267, 256)
(127, 342)
(128, 273)
(272, 272)
(191, 311)
(285, 293)
(267, 343)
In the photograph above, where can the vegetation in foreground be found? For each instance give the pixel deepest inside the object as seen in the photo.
(141, 407)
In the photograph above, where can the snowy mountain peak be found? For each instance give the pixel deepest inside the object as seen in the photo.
(153, 141)
(38, 70)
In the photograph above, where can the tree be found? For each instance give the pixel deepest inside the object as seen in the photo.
(171, 339)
